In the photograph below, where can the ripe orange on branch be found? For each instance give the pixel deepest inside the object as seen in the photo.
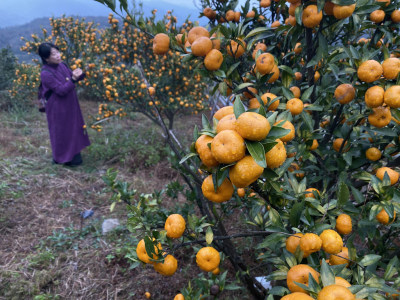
(223, 193)
(300, 273)
(292, 242)
(276, 156)
(392, 96)
(213, 60)
(340, 258)
(175, 226)
(374, 96)
(227, 123)
(228, 146)
(245, 172)
(204, 151)
(161, 43)
(310, 243)
(369, 71)
(331, 241)
(252, 126)
(311, 16)
(380, 116)
(393, 175)
(345, 93)
(335, 292)
(343, 224)
(168, 267)
(208, 259)
(265, 63)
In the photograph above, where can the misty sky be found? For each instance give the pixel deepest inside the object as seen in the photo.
(17, 12)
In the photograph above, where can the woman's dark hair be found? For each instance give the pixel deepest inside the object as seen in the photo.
(44, 51)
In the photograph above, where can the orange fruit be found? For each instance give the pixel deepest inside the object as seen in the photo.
(213, 60)
(309, 192)
(252, 126)
(168, 267)
(175, 226)
(274, 105)
(208, 259)
(295, 105)
(209, 13)
(332, 242)
(343, 224)
(310, 243)
(147, 295)
(343, 11)
(383, 217)
(265, 3)
(395, 16)
(377, 16)
(391, 67)
(317, 76)
(227, 123)
(201, 46)
(343, 282)
(340, 258)
(275, 74)
(374, 96)
(380, 116)
(297, 48)
(179, 297)
(222, 112)
(142, 253)
(335, 292)
(275, 24)
(160, 43)
(296, 91)
(337, 143)
(241, 192)
(228, 146)
(292, 242)
(245, 172)
(311, 17)
(314, 145)
(287, 125)
(230, 15)
(204, 151)
(393, 175)
(369, 71)
(223, 193)
(392, 96)
(345, 93)
(373, 154)
(300, 273)
(196, 32)
(236, 49)
(298, 76)
(276, 156)
(265, 63)
(297, 296)
(292, 8)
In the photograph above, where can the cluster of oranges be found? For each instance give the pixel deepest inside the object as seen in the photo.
(207, 258)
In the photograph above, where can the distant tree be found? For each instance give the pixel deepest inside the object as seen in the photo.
(8, 63)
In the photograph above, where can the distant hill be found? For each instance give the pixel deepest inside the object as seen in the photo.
(11, 36)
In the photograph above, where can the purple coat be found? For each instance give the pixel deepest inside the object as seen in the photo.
(64, 117)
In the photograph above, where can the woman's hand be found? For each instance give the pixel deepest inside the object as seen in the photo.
(76, 74)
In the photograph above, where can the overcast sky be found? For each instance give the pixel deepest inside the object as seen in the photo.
(17, 12)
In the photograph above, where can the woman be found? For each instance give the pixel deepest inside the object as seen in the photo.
(68, 135)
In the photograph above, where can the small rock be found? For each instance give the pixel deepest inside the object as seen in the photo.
(108, 225)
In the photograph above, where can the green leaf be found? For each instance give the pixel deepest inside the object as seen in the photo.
(392, 268)
(238, 107)
(277, 132)
(242, 86)
(256, 150)
(205, 122)
(307, 120)
(327, 275)
(295, 214)
(209, 236)
(358, 196)
(232, 68)
(343, 2)
(369, 260)
(256, 32)
(112, 206)
(343, 194)
(306, 95)
(186, 157)
(219, 177)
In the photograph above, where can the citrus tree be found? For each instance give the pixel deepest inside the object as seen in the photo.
(305, 159)
(116, 60)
